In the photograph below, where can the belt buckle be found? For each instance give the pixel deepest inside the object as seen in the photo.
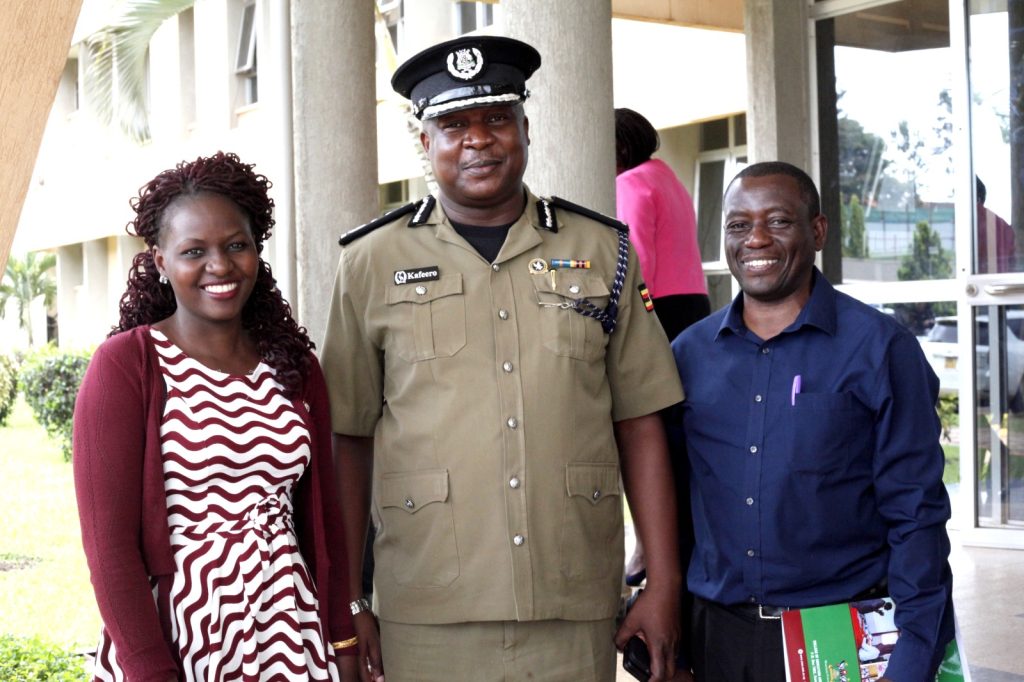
(767, 616)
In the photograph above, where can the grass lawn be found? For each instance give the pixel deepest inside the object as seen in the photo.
(44, 584)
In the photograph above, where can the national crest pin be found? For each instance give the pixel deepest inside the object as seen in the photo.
(538, 266)
(465, 63)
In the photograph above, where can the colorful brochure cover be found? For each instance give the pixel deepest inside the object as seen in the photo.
(849, 642)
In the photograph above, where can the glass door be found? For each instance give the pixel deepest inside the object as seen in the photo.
(995, 288)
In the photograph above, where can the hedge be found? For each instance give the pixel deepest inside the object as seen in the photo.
(50, 381)
(24, 659)
(8, 386)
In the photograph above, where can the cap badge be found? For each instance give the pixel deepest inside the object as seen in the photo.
(465, 63)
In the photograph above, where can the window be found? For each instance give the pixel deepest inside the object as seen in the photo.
(393, 194)
(393, 13)
(245, 60)
(723, 153)
(69, 91)
(472, 16)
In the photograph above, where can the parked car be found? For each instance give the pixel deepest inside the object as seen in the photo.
(941, 350)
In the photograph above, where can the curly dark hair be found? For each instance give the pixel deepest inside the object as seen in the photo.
(281, 342)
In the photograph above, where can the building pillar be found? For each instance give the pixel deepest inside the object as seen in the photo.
(778, 82)
(571, 111)
(335, 151)
(92, 298)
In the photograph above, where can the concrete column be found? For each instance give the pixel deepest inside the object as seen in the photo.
(335, 131)
(778, 82)
(92, 300)
(278, 81)
(572, 121)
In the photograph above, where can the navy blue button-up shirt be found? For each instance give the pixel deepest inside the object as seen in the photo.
(815, 467)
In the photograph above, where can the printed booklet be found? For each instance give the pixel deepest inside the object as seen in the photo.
(850, 642)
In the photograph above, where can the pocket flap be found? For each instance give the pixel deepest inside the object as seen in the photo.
(592, 480)
(572, 284)
(414, 490)
(446, 285)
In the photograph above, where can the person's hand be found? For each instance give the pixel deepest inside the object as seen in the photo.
(370, 662)
(682, 675)
(348, 668)
(654, 617)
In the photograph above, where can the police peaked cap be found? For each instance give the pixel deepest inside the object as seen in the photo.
(471, 71)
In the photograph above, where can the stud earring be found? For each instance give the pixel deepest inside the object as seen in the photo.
(163, 279)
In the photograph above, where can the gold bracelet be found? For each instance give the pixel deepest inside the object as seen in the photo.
(345, 643)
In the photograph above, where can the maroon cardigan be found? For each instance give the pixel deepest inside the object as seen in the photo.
(123, 510)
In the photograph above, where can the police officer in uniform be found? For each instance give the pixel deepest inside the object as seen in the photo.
(495, 374)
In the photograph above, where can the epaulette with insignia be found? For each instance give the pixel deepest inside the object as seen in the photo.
(583, 210)
(422, 209)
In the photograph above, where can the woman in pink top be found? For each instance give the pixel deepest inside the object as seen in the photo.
(662, 224)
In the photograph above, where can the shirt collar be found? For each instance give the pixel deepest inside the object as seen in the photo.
(522, 236)
(820, 310)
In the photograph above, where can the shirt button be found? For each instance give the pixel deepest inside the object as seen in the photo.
(507, 366)
(512, 422)
(766, 350)
(753, 449)
(513, 482)
(495, 267)
(409, 504)
(596, 495)
(574, 289)
(518, 540)
(420, 290)
(758, 398)
(750, 501)
(503, 314)
(750, 552)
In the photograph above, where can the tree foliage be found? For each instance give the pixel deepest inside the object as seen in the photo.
(25, 280)
(927, 259)
(855, 244)
(861, 160)
(116, 75)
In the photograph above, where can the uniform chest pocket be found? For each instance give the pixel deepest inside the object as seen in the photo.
(564, 330)
(429, 318)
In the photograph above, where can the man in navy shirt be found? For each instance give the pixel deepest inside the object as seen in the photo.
(813, 441)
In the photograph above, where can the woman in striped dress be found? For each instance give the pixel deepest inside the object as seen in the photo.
(202, 455)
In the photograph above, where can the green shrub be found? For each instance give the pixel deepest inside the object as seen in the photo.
(29, 659)
(50, 381)
(8, 386)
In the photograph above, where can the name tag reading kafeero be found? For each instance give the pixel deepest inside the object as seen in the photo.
(417, 275)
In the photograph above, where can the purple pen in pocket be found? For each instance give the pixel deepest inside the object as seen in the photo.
(797, 381)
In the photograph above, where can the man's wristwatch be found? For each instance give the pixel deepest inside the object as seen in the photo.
(359, 605)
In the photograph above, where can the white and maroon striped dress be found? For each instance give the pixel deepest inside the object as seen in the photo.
(241, 604)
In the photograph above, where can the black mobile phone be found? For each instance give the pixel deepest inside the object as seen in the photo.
(636, 659)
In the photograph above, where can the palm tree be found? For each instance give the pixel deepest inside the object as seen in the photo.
(26, 280)
(117, 53)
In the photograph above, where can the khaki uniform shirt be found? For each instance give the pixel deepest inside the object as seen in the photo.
(496, 487)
